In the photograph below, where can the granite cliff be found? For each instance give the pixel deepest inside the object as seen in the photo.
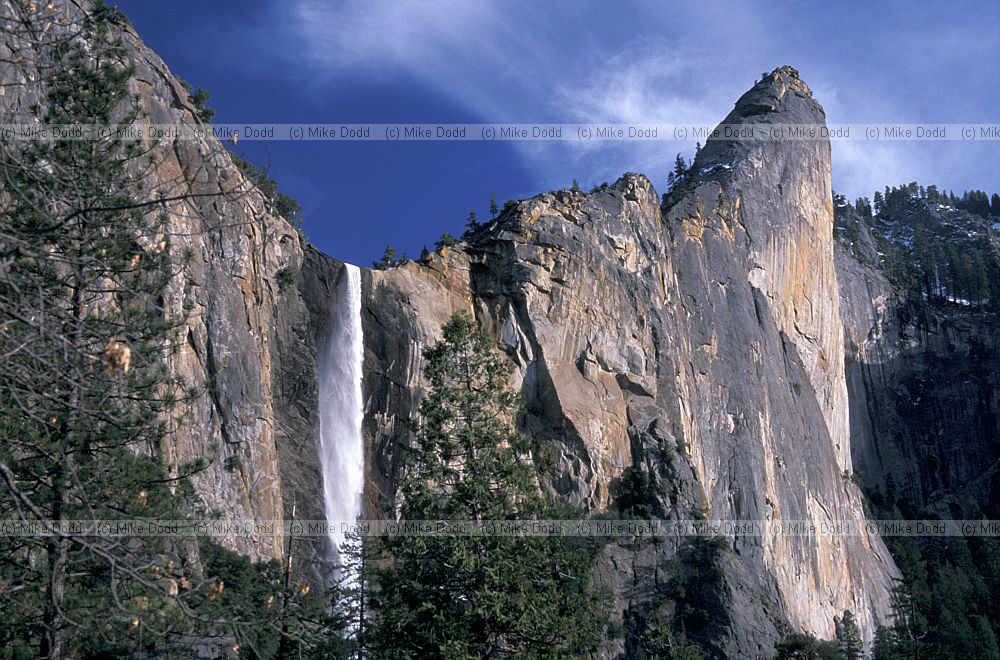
(921, 357)
(241, 343)
(698, 344)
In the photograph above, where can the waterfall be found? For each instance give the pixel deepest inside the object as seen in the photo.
(341, 410)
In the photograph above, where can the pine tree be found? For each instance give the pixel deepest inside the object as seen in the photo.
(979, 280)
(575, 187)
(85, 396)
(677, 174)
(885, 646)
(342, 630)
(849, 638)
(806, 647)
(985, 638)
(879, 203)
(923, 255)
(350, 598)
(388, 259)
(494, 209)
(472, 225)
(956, 272)
(478, 595)
(446, 240)
(635, 493)
(87, 400)
(864, 208)
(278, 202)
(909, 621)
(200, 99)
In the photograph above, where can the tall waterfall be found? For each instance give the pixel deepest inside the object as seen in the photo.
(341, 410)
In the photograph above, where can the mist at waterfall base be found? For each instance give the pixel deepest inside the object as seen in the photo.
(341, 412)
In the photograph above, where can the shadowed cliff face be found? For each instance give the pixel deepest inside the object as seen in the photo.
(702, 345)
(923, 375)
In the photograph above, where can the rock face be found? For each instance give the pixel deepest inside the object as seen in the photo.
(923, 377)
(244, 339)
(784, 205)
(702, 345)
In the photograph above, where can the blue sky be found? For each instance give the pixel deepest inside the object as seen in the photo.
(330, 61)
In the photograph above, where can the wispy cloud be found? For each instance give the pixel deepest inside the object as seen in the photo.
(373, 34)
(657, 62)
(474, 52)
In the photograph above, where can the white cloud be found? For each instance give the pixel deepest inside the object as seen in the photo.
(652, 62)
(376, 33)
(478, 53)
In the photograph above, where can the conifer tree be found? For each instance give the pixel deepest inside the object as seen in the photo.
(979, 281)
(479, 595)
(87, 400)
(472, 225)
(677, 174)
(85, 395)
(388, 259)
(494, 209)
(879, 203)
(341, 630)
(446, 240)
(864, 208)
(806, 647)
(849, 638)
(885, 645)
(278, 202)
(909, 621)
